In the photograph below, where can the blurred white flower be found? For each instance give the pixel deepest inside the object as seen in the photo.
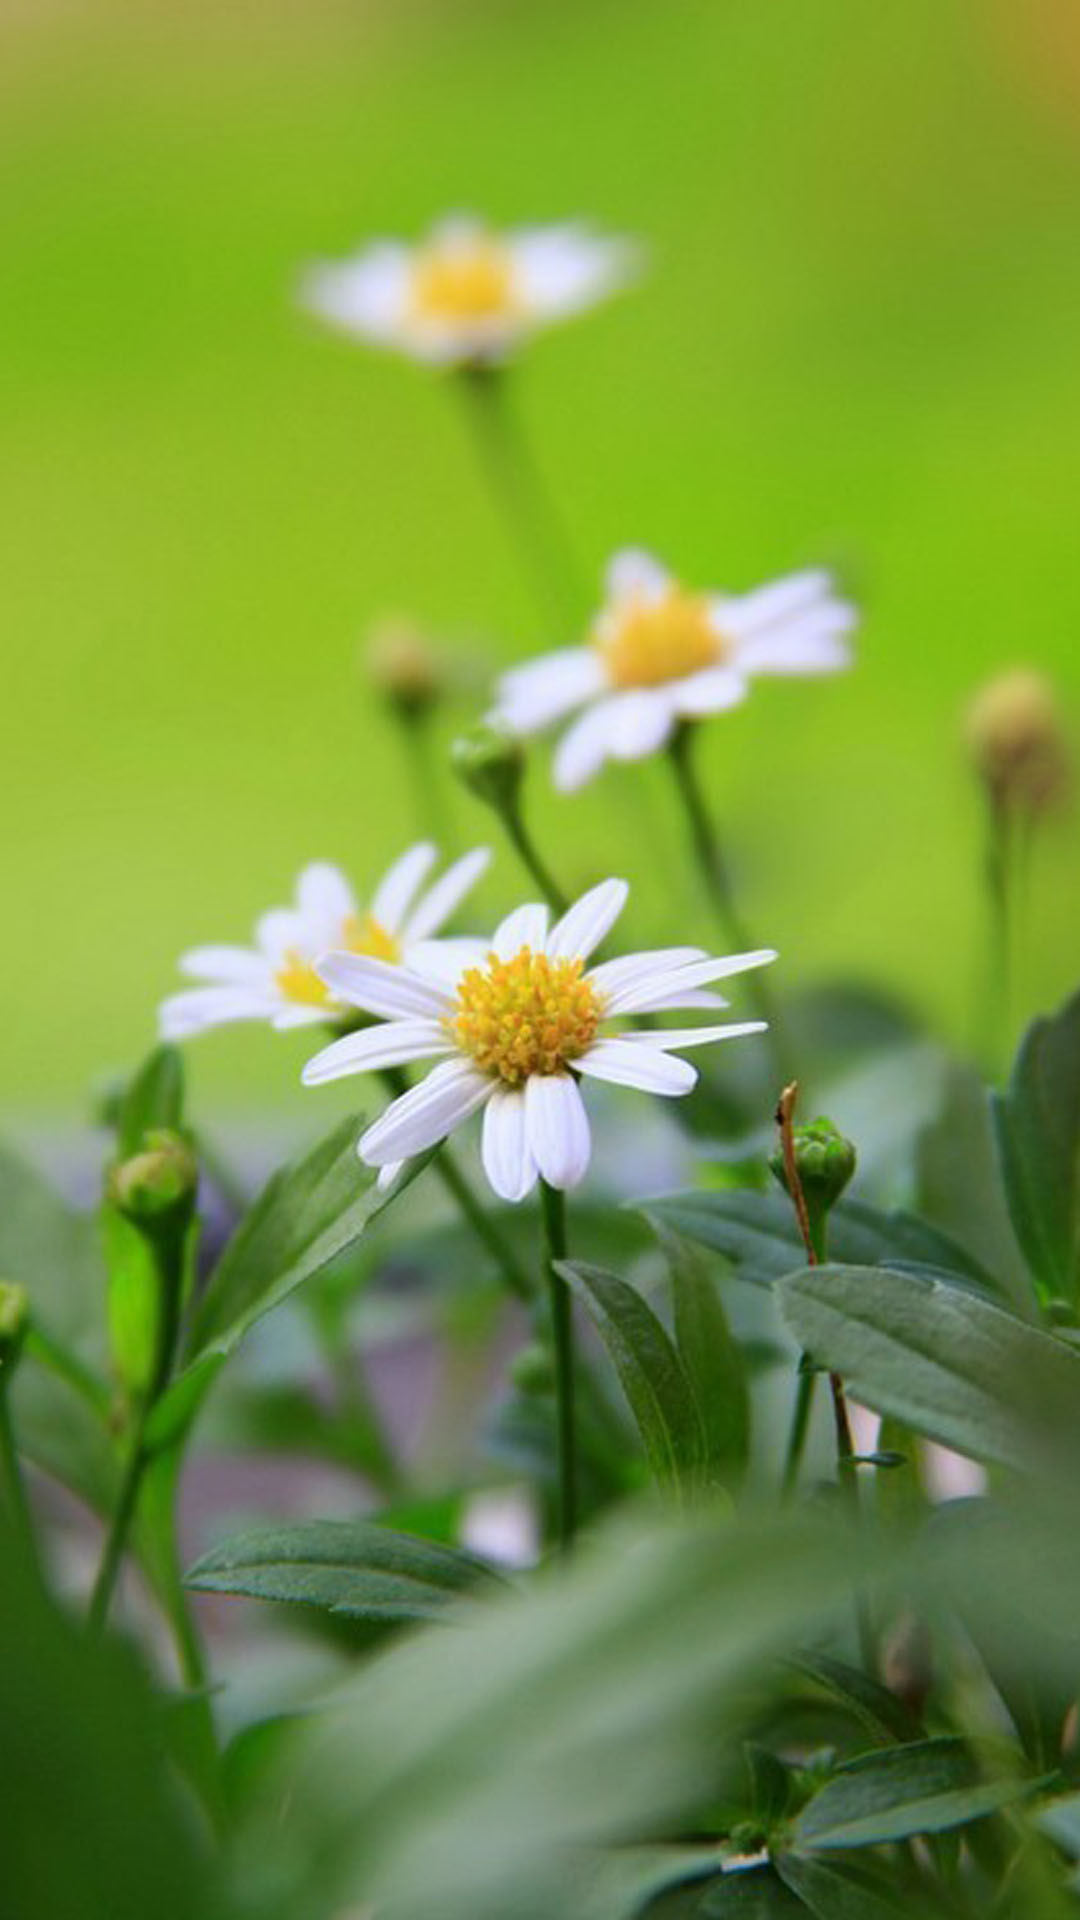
(659, 654)
(275, 980)
(514, 1024)
(467, 295)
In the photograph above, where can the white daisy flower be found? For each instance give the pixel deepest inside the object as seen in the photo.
(515, 1025)
(467, 295)
(659, 654)
(275, 978)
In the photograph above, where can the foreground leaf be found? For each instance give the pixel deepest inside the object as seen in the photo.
(947, 1363)
(348, 1567)
(1038, 1130)
(898, 1792)
(831, 1891)
(657, 1386)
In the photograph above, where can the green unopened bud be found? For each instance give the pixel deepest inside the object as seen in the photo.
(14, 1320)
(157, 1185)
(531, 1369)
(490, 759)
(1017, 741)
(824, 1161)
(404, 667)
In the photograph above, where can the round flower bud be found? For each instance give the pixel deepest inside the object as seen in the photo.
(404, 667)
(14, 1320)
(156, 1185)
(490, 760)
(531, 1369)
(824, 1161)
(1017, 741)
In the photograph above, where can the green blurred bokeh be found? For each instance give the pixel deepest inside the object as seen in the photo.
(857, 342)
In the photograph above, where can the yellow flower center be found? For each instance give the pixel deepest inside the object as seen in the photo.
(526, 1015)
(463, 279)
(361, 933)
(657, 640)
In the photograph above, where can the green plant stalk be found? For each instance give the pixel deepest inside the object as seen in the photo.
(525, 847)
(429, 811)
(553, 1214)
(1000, 891)
(535, 528)
(800, 1427)
(11, 1479)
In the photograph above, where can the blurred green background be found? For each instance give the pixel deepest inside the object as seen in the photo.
(857, 342)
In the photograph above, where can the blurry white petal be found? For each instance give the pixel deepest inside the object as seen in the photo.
(388, 1174)
(747, 613)
(279, 931)
(631, 967)
(379, 987)
(649, 1069)
(325, 900)
(528, 697)
(633, 574)
(583, 748)
(588, 921)
(239, 966)
(558, 1128)
(560, 270)
(652, 993)
(391, 1044)
(625, 726)
(508, 1160)
(394, 895)
(444, 961)
(292, 1013)
(527, 926)
(193, 1011)
(813, 643)
(368, 295)
(697, 997)
(435, 907)
(677, 1037)
(427, 1113)
(713, 690)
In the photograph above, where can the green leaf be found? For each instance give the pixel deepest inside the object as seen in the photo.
(352, 1568)
(960, 1183)
(154, 1097)
(944, 1361)
(841, 1892)
(877, 1711)
(712, 1359)
(750, 1893)
(898, 1792)
(306, 1216)
(1038, 1130)
(758, 1234)
(656, 1384)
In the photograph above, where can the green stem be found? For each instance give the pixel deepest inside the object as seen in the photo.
(999, 896)
(800, 1427)
(429, 811)
(553, 1213)
(11, 1480)
(517, 487)
(525, 847)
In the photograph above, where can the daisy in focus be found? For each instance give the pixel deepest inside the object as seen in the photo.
(467, 295)
(275, 979)
(660, 653)
(515, 1026)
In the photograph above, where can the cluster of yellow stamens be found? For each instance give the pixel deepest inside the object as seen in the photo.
(463, 279)
(651, 641)
(361, 933)
(527, 1015)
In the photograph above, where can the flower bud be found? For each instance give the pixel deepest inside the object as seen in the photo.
(14, 1320)
(1017, 741)
(490, 760)
(404, 667)
(157, 1185)
(824, 1161)
(532, 1370)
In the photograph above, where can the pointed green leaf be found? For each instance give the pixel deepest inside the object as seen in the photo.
(656, 1384)
(946, 1362)
(832, 1891)
(353, 1568)
(1038, 1130)
(712, 1358)
(961, 1187)
(153, 1097)
(878, 1712)
(750, 1893)
(898, 1792)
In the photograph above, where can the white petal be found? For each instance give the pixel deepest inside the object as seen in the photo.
(561, 269)
(558, 1128)
(653, 993)
(292, 1014)
(325, 900)
(713, 690)
(747, 613)
(388, 1174)
(394, 894)
(526, 927)
(698, 997)
(427, 1113)
(435, 907)
(583, 748)
(367, 295)
(444, 961)
(391, 1044)
(507, 1157)
(643, 721)
(238, 966)
(633, 574)
(379, 987)
(588, 921)
(649, 1069)
(280, 931)
(678, 1037)
(529, 697)
(631, 967)
(184, 1014)
(815, 643)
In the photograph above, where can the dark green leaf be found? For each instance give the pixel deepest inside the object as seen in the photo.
(712, 1358)
(960, 1183)
(758, 1234)
(1038, 1129)
(878, 1712)
(154, 1097)
(949, 1364)
(841, 1892)
(307, 1216)
(752, 1893)
(897, 1792)
(659, 1391)
(349, 1567)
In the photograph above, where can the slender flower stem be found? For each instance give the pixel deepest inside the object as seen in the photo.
(1000, 876)
(800, 1426)
(553, 1213)
(429, 811)
(525, 847)
(11, 1480)
(528, 511)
